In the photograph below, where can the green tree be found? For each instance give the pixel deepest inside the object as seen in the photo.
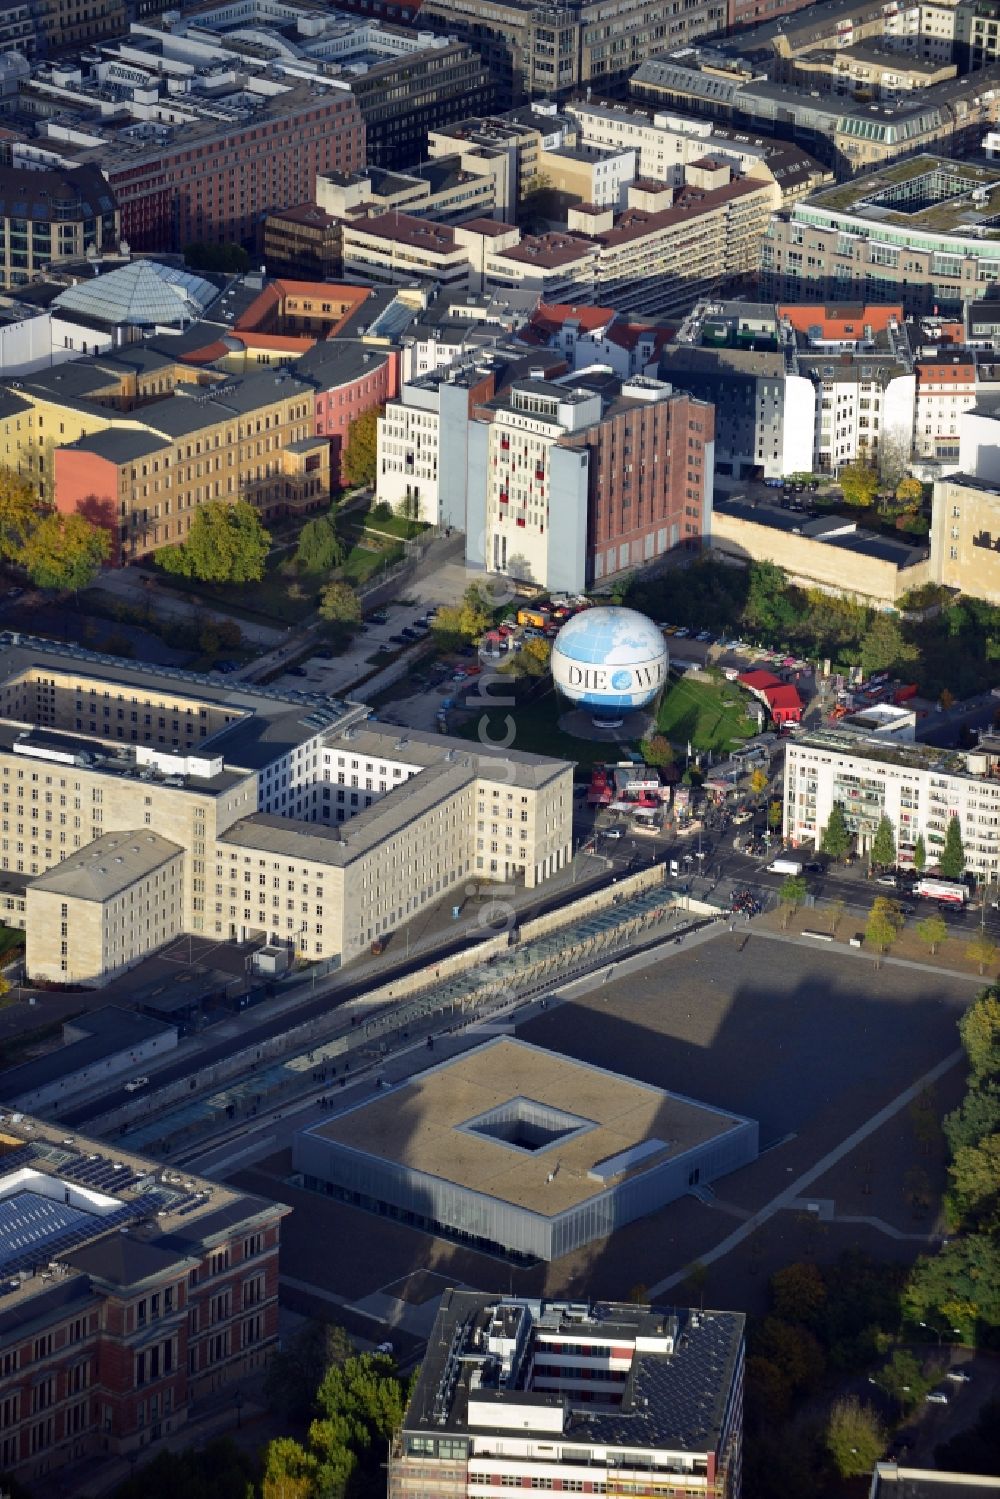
(793, 1349)
(957, 1287)
(903, 1379)
(775, 816)
(768, 606)
(226, 544)
(657, 751)
(19, 512)
(979, 1029)
(290, 1472)
(359, 462)
(982, 951)
(836, 837)
(836, 910)
(768, 1392)
(855, 1437)
(218, 1471)
(883, 924)
(467, 620)
(977, 1116)
(920, 854)
(792, 894)
(884, 844)
(64, 552)
(859, 484)
(758, 781)
(534, 658)
(798, 1293)
(975, 1178)
(932, 931)
(952, 860)
(320, 549)
(204, 256)
(909, 491)
(883, 645)
(296, 1371)
(340, 605)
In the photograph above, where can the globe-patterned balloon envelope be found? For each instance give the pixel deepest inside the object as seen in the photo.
(611, 660)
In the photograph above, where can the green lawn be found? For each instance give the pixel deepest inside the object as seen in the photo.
(11, 941)
(362, 564)
(536, 730)
(275, 598)
(395, 525)
(709, 714)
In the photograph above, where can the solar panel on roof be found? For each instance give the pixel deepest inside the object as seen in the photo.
(31, 1222)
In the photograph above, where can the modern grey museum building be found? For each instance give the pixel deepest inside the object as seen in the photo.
(521, 1151)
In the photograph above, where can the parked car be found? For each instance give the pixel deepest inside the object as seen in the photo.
(937, 1397)
(614, 833)
(135, 1083)
(379, 617)
(959, 1376)
(409, 633)
(682, 633)
(226, 666)
(399, 640)
(297, 671)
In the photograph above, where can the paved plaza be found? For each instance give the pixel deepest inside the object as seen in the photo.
(830, 1055)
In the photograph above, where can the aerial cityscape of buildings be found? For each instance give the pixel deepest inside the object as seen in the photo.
(499, 748)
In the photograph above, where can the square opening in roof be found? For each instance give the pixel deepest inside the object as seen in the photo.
(525, 1124)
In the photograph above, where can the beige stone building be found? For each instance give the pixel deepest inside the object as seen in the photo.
(117, 900)
(833, 554)
(965, 535)
(280, 814)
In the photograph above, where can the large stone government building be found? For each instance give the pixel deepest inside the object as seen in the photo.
(139, 803)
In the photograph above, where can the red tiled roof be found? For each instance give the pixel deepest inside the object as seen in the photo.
(960, 370)
(627, 335)
(840, 322)
(554, 314)
(759, 679)
(783, 696)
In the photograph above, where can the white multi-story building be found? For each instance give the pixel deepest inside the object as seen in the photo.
(946, 386)
(603, 1399)
(917, 786)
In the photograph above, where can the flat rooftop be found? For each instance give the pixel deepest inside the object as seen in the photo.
(675, 1395)
(830, 530)
(447, 1123)
(922, 193)
(77, 1210)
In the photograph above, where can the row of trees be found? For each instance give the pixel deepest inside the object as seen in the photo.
(837, 840)
(58, 552)
(955, 1294)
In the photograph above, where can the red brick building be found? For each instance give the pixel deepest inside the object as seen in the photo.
(216, 185)
(350, 378)
(573, 481)
(128, 1293)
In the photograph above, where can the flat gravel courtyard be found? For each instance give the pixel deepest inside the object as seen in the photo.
(811, 1042)
(790, 1035)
